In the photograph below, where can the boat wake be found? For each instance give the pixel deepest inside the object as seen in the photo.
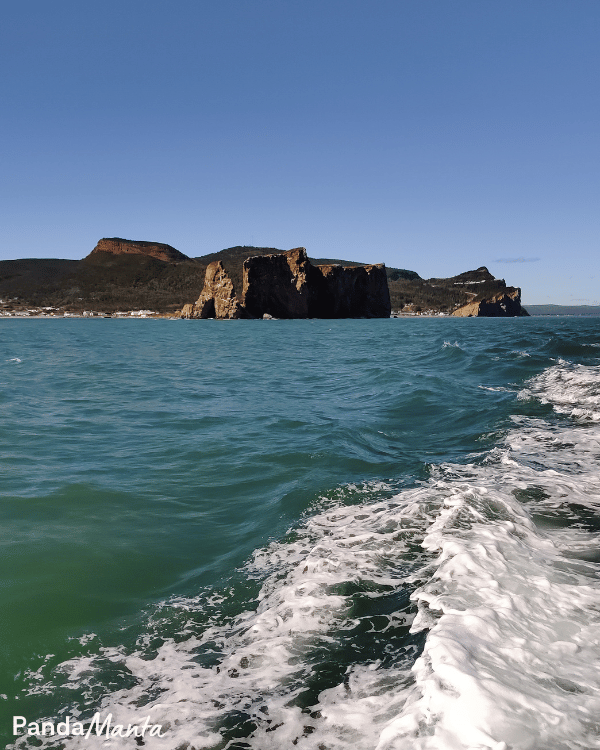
(460, 613)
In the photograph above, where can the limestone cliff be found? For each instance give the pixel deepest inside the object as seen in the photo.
(287, 285)
(218, 299)
(506, 303)
(355, 291)
(118, 246)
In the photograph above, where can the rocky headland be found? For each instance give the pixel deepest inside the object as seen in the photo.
(471, 294)
(503, 304)
(121, 275)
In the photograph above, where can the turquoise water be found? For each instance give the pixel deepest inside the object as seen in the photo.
(232, 526)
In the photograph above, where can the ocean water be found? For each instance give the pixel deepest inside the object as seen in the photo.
(323, 535)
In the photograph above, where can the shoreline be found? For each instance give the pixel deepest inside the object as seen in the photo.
(57, 314)
(170, 316)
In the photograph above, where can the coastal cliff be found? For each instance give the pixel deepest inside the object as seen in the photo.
(124, 275)
(504, 304)
(474, 293)
(351, 288)
(158, 250)
(288, 285)
(283, 285)
(217, 299)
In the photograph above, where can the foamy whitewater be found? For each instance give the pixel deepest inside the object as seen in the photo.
(453, 606)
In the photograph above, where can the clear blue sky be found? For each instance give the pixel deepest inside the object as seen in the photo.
(434, 135)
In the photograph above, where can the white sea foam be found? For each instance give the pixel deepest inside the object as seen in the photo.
(499, 388)
(510, 603)
(511, 658)
(264, 656)
(570, 388)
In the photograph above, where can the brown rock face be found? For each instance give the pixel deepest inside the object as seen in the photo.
(118, 246)
(187, 311)
(287, 285)
(505, 304)
(217, 299)
(355, 291)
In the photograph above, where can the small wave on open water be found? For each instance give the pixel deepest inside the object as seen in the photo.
(457, 610)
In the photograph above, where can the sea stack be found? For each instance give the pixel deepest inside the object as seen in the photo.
(287, 285)
(218, 299)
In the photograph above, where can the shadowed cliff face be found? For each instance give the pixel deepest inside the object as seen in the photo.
(287, 285)
(357, 288)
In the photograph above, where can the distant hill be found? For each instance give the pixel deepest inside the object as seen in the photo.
(101, 282)
(588, 310)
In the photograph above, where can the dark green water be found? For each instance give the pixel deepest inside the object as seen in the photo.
(145, 463)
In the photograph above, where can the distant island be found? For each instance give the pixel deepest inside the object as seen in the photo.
(122, 275)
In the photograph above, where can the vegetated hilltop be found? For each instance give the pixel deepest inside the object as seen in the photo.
(130, 275)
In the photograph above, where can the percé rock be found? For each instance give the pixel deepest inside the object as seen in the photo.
(217, 299)
(118, 246)
(356, 291)
(504, 304)
(287, 285)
